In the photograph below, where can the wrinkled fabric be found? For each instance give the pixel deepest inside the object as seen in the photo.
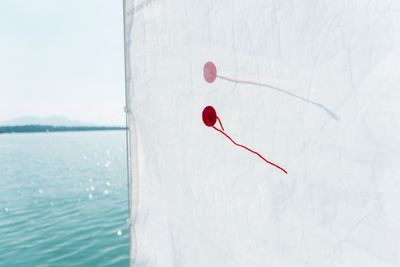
(199, 200)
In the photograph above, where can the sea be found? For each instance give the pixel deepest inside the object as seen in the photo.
(63, 199)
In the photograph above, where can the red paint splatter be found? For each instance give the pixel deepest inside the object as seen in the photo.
(210, 72)
(210, 117)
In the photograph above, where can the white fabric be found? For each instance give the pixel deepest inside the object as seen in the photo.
(198, 200)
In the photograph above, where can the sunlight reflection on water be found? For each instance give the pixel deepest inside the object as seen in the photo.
(63, 197)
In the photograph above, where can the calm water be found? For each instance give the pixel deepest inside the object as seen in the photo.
(63, 199)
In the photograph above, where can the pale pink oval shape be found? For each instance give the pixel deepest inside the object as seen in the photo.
(210, 72)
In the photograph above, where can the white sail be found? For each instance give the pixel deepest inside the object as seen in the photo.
(306, 87)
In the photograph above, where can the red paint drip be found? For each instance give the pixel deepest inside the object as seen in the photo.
(210, 118)
(220, 123)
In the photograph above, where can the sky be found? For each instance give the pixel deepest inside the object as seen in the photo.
(62, 58)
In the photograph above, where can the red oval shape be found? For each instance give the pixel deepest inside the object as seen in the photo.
(209, 116)
(210, 72)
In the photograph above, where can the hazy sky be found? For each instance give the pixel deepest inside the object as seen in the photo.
(62, 57)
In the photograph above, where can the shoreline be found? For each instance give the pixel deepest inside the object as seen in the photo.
(51, 128)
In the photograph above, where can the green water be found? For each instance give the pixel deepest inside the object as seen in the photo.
(63, 199)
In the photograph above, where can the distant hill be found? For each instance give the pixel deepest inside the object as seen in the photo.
(31, 124)
(53, 120)
(51, 128)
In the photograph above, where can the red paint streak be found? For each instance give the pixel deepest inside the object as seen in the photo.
(220, 123)
(252, 151)
(210, 117)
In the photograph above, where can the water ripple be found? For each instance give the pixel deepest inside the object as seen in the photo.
(46, 216)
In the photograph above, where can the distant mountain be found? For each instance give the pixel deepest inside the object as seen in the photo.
(50, 128)
(53, 120)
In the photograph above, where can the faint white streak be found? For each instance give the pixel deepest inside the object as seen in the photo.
(321, 106)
